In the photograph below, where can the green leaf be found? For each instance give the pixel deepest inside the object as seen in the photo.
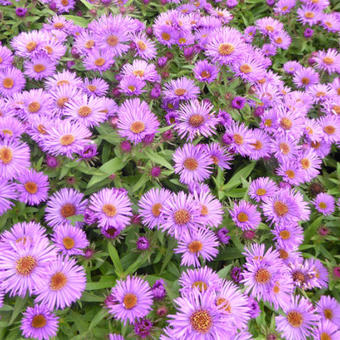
(18, 308)
(236, 179)
(77, 20)
(115, 259)
(158, 159)
(311, 229)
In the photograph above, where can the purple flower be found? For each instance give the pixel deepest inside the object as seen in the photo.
(143, 328)
(254, 309)
(143, 243)
(308, 32)
(155, 171)
(89, 151)
(158, 290)
(162, 61)
(236, 274)
(238, 103)
(21, 12)
(223, 236)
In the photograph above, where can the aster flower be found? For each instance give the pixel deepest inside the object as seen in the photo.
(261, 188)
(194, 119)
(291, 66)
(198, 317)
(69, 240)
(99, 60)
(151, 206)
(226, 46)
(131, 86)
(199, 243)
(211, 208)
(205, 71)
(96, 87)
(39, 322)
(64, 6)
(320, 93)
(305, 77)
(39, 67)
(269, 25)
(284, 148)
(27, 234)
(245, 215)
(180, 214)
(111, 208)
(87, 110)
(63, 284)
(66, 138)
(33, 187)
(288, 236)
(14, 158)
(327, 330)
(330, 125)
(329, 309)
(260, 147)
(298, 321)
(6, 57)
(281, 39)
(308, 15)
(135, 120)
(11, 81)
(132, 299)
(248, 68)
(63, 78)
(192, 163)
(318, 274)
(310, 164)
(290, 174)
(23, 268)
(219, 155)
(141, 70)
(241, 138)
(62, 204)
(180, 89)
(10, 127)
(324, 203)
(145, 48)
(203, 279)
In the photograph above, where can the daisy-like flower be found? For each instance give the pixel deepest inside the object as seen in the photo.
(132, 299)
(69, 240)
(284, 148)
(142, 70)
(205, 71)
(11, 81)
(7, 193)
(194, 119)
(135, 120)
(308, 15)
(281, 207)
(66, 138)
(6, 57)
(305, 77)
(261, 188)
(64, 203)
(328, 61)
(145, 48)
(281, 39)
(87, 110)
(324, 203)
(313, 130)
(63, 284)
(260, 147)
(151, 206)
(33, 187)
(283, 7)
(329, 309)
(318, 274)
(320, 93)
(63, 78)
(180, 214)
(298, 321)
(198, 317)
(132, 86)
(14, 158)
(39, 322)
(269, 25)
(330, 125)
(327, 331)
(95, 87)
(219, 155)
(111, 207)
(198, 243)
(240, 138)
(201, 279)
(85, 42)
(248, 68)
(99, 60)
(290, 173)
(330, 22)
(291, 66)
(310, 164)
(10, 127)
(288, 236)
(226, 46)
(245, 215)
(180, 89)
(23, 267)
(192, 163)
(234, 304)
(64, 6)
(211, 208)
(28, 234)
(40, 67)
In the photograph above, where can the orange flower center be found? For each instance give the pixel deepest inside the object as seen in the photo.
(245, 68)
(99, 62)
(309, 15)
(201, 321)
(329, 129)
(195, 246)
(39, 68)
(286, 123)
(285, 234)
(180, 92)
(165, 36)
(205, 74)
(67, 140)
(280, 208)
(284, 147)
(8, 83)
(190, 164)
(62, 101)
(182, 216)
(89, 44)
(25, 265)
(305, 81)
(109, 210)
(39, 321)
(58, 281)
(34, 107)
(261, 192)
(196, 120)
(226, 49)
(328, 60)
(137, 127)
(6, 155)
(31, 46)
(68, 242)
(130, 300)
(92, 88)
(202, 286)
(262, 276)
(328, 313)
(242, 217)
(31, 187)
(84, 111)
(156, 209)
(68, 210)
(225, 303)
(290, 174)
(112, 40)
(295, 318)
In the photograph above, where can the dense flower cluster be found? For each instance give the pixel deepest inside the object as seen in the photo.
(130, 113)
